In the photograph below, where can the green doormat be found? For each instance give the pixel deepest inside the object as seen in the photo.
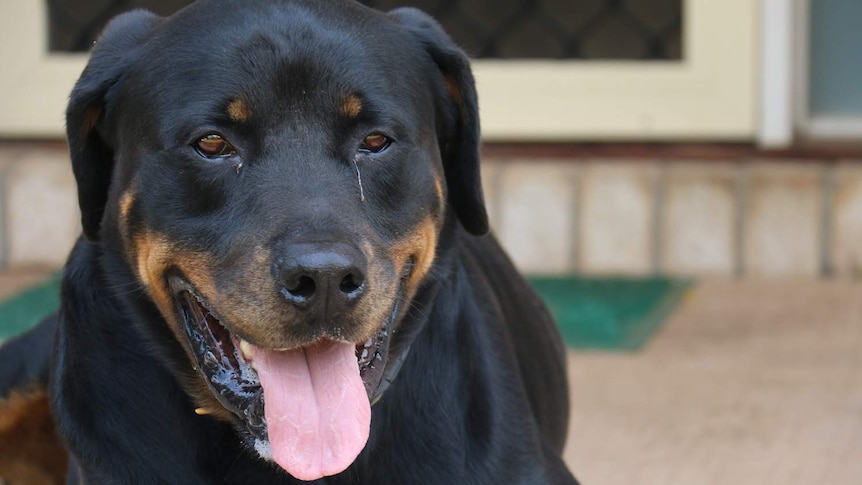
(609, 313)
(597, 313)
(26, 309)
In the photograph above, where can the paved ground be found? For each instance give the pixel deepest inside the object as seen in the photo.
(748, 383)
(13, 281)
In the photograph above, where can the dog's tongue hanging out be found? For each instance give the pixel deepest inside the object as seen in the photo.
(317, 412)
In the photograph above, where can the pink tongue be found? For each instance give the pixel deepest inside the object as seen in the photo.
(317, 412)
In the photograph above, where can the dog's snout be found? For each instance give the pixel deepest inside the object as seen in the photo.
(321, 279)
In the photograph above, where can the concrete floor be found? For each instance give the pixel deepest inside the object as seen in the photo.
(13, 281)
(748, 383)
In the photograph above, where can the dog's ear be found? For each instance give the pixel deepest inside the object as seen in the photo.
(92, 157)
(461, 146)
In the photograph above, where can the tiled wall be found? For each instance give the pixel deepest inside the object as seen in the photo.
(599, 216)
(752, 218)
(39, 218)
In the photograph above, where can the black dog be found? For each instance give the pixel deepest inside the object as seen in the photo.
(283, 274)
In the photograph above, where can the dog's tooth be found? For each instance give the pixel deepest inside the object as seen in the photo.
(246, 349)
(202, 411)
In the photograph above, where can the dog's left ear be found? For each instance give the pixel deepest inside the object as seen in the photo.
(92, 156)
(461, 146)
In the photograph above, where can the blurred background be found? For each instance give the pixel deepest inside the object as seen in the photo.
(681, 180)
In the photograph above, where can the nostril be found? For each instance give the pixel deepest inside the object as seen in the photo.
(302, 287)
(321, 279)
(351, 285)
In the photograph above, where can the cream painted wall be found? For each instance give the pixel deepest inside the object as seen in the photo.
(710, 95)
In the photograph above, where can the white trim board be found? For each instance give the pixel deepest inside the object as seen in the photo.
(776, 121)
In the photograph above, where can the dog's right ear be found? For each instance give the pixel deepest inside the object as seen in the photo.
(92, 156)
(460, 149)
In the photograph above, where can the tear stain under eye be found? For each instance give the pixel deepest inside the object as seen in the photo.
(359, 179)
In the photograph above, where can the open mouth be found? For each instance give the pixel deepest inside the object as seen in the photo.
(239, 374)
(229, 373)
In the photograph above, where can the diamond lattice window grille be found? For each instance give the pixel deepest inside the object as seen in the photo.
(503, 29)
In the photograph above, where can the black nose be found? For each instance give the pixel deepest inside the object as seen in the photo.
(321, 278)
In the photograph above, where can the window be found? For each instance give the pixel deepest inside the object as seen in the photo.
(508, 29)
(830, 102)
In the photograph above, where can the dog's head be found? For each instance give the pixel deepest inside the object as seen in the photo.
(276, 176)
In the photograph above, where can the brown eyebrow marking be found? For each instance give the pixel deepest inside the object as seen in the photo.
(238, 110)
(352, 106)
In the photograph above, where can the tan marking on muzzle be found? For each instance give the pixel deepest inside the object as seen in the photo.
(155, 255)
(376, 304)
(421, 245)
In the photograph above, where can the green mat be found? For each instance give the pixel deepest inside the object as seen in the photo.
(609, 313)
(26, 309)
(596, 313)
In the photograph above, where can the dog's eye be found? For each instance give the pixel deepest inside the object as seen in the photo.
(214, 146)
(374, 143)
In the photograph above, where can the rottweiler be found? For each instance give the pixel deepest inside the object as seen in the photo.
(284, 273)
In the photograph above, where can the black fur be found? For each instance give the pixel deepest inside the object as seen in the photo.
(27, 359)
(481, 393)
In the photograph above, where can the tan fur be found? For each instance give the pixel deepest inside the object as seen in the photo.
(352, 106)
(441, 196)
(375, 306)
(126, 201)
(238, 110)
(154, 256)
(30, 452)
(421, 245)
(253, 308)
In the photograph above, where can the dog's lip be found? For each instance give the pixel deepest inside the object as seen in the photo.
(222, 356)
(219, 360)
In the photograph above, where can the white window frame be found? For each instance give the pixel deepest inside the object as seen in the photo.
(712, 94)
(778, 77)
